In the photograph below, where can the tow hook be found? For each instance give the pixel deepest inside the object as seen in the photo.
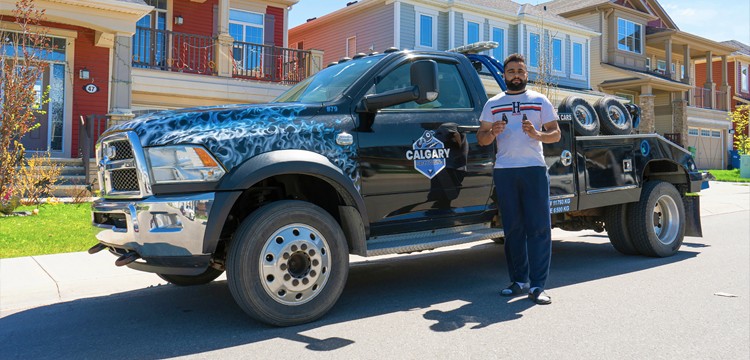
(127, 258)
(96, 248)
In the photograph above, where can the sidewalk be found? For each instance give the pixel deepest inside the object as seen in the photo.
(47, 279)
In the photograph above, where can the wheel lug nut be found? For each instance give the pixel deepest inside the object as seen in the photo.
(303, 247)
(283, 267)
(294, 247)
(295, 282)
(287, 277)
(286, 256)
(311, 252)
(305, 281)
(315, 262)
(313, 273)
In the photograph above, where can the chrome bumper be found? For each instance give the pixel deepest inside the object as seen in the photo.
(157, 226)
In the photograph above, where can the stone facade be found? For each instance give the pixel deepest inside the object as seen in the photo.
(648, 118)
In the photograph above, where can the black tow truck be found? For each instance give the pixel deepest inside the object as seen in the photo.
(373, 155)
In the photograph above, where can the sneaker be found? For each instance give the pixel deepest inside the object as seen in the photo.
(514, 289)
(540, 297)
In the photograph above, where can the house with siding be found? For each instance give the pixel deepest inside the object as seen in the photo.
(116, 58)
(369, 26)
(642, 55)
(738, 69)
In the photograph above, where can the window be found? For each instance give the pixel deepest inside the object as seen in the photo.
(426, 28)
(558, 54)
(351, 46)
(705, 132)
(498, 36)
(628, 36)
(673, 69)
(578, 58)
(149, 41)
(472, 32)
(744, 78)
(661, 65)
(648, 64)
(693, 131)
(716, 134)
(682, 71)
(247, 29)
(533, 50)
(453, 93)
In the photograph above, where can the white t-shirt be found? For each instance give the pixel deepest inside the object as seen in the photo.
(514, 148)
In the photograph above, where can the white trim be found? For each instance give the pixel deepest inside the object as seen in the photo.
(563, 42)
(418, 13)
(642, 35)
(505, 27)
(744, 84)
(286, 27)
(528, 50)
(397, 24)
(473, 19)
(584, 57)
(451, 29)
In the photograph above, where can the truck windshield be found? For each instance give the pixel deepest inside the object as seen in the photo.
(330, 82)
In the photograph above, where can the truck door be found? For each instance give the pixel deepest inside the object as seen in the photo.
(420, 164)
(561, 164)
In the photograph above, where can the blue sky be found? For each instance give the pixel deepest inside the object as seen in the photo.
(698, 17)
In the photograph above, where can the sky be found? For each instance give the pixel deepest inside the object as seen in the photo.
(698, 17)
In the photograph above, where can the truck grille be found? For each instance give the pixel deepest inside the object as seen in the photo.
(121, 170)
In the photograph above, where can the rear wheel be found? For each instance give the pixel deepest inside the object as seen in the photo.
(657, 221)
(585, 120)
(287, 263)
(189, 280)
(615, 221)
(615, 119)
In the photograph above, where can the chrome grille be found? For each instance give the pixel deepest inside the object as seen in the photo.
(122, 150)
(125, 180)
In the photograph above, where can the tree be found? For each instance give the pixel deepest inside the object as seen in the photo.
(741, 117)
(22, 64)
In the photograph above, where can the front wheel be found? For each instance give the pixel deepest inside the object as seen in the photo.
(657, 221)
(287, 263)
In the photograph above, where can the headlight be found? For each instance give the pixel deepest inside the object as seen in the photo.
(183, 163)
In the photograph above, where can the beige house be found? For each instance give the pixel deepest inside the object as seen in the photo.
(642, 55)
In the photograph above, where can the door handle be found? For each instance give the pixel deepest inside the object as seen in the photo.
(566, 158)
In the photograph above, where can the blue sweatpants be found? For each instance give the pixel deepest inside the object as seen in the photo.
(523, 200)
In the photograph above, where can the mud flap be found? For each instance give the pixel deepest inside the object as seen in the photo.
(693, 216)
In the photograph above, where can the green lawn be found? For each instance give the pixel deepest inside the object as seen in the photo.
(728, 175)
(58, 228)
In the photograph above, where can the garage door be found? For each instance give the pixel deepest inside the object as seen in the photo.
(709, 147)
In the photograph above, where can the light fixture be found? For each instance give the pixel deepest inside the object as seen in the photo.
(84, 74)
(178, 20)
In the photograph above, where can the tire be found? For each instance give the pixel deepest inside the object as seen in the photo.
(189, 280)
(287, 263)
(615, 119)
(657, 221)
(585, 120)
(615, 221)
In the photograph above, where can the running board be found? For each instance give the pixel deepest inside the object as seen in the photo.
(432, 239)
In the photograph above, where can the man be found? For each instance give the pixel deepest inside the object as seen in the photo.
(520, 120)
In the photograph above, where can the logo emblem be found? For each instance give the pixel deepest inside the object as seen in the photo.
(645, 148)
(429, 154)
(110, 152)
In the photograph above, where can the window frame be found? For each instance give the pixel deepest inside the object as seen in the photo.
(476, 20)
(504, 45)
(692, 131)
(744, 82)
(433, 14)
(640, 38)
(562, 71)
(262, 26)
(529, 63)
(705, 132)
(584, 57)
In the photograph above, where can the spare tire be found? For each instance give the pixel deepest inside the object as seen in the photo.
(585, 120)
(615, 118)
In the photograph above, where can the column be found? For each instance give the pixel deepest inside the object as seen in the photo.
(223, 46)
(679, 117)
(121, 89)
(648, 118)
(723, 102)
(709, 99)
(668, 52)
(687, 62)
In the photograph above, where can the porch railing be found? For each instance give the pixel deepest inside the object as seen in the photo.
(701, 97)
(721, 101)
(89, 129)
(173, 51)
(675, 138)
(269, 63)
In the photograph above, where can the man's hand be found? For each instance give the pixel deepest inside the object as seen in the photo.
(488, 131)
(529, 129)
(497, 128)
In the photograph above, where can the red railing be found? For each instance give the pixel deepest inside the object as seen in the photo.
(270, 63)
(173, 51)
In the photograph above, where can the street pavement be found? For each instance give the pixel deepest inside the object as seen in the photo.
(48, 279)
(692, 305)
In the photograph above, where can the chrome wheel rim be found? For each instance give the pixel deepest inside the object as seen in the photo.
(616, 116)
(584, 117)
(294, 264)
(666, 223)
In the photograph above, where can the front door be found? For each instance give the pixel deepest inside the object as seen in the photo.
(38, 139)
(421, 164)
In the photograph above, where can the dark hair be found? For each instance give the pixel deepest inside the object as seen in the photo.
(514, 57)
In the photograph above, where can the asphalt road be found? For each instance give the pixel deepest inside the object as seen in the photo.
(439, 305)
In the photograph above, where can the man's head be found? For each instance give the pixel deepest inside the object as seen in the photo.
(515, 74)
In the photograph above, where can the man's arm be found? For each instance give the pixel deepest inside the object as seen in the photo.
(488, 131)
(550, 134)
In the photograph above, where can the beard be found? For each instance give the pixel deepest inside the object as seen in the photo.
(517, 86)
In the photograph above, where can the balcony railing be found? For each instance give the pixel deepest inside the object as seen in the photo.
(675, 138)
(173, 51)
(269, 63)
(721, 101)
(701, 97)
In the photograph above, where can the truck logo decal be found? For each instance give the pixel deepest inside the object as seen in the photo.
(645, 148)
(429, 154)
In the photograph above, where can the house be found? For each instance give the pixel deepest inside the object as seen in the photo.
(556, 49)
(738, 64)
(121, 57)
(642, 55)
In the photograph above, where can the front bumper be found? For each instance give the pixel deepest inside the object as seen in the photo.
(167, 232)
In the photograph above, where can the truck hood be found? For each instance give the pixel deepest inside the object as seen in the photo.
(234, 133)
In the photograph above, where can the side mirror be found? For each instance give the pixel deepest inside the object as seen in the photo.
(424, 89)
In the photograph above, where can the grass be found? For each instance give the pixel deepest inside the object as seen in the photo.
(728, 175)
(59, 228)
